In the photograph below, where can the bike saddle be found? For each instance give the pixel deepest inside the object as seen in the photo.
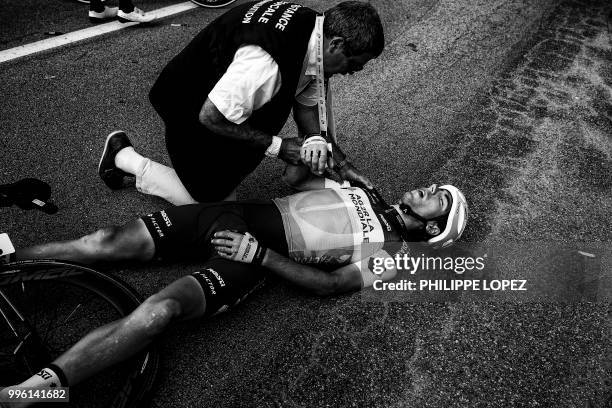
(27, 194)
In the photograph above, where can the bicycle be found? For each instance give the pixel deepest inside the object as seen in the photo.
(48, 305)
(201, 3)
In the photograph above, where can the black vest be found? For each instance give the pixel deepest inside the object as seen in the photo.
(281, 28)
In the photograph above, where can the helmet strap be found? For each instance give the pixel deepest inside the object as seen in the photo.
(414, 235)
(405, 208)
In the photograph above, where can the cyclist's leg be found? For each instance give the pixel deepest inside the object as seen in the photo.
(121, 339)
(219, 286)
(131, 241)
(167, 234)
(226, 283)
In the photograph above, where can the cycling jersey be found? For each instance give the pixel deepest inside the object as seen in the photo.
(330, 226)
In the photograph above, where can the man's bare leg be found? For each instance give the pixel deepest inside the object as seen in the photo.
(118, 341)
(129, 242)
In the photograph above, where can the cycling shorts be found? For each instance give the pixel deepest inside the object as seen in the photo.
(185, 232)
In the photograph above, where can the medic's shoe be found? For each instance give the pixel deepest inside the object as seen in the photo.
(109, 173)
(109, 13)
(136, 16)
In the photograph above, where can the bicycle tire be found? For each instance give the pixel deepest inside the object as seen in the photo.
(73, 284)
(213, 3)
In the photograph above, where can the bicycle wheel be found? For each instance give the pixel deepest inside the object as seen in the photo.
(213, 3)
(48, 306)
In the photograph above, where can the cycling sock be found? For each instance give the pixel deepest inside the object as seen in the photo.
(48, 377)
(126, 6)
(60, 374)
(130, 161)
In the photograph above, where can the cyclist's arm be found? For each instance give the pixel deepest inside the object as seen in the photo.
(345, 279)
(307, 121)
(306, 118)
(309, 176)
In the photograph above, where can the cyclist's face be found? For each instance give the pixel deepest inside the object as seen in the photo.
(336, 62)
(428, 202)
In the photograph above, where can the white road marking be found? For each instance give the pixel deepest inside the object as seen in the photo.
(43, 45)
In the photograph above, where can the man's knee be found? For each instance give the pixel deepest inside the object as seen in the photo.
(131, 241)
(104, 240)
(294, 176)
(155, 314)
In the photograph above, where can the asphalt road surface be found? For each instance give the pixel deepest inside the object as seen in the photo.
(509, 99)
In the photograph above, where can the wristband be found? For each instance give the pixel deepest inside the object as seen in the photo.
(317, 140)
(260, 254)
(314, 139)
(274, 148)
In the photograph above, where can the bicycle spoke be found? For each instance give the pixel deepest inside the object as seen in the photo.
(6, 319)
(49, 330)
(60, 303)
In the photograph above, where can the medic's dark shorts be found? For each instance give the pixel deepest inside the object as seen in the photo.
(209, 166)
(185, 232)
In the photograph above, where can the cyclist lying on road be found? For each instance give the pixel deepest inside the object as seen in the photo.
(296, 235)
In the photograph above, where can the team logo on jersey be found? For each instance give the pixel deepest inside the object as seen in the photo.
(365, 218)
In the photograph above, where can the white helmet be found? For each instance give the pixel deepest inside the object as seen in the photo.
(456, 221)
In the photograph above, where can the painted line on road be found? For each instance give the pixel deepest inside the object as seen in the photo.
(64, 39)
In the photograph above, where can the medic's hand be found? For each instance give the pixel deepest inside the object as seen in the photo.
(239, 247)
(314, 154)
(290, 150)
(350, 173)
